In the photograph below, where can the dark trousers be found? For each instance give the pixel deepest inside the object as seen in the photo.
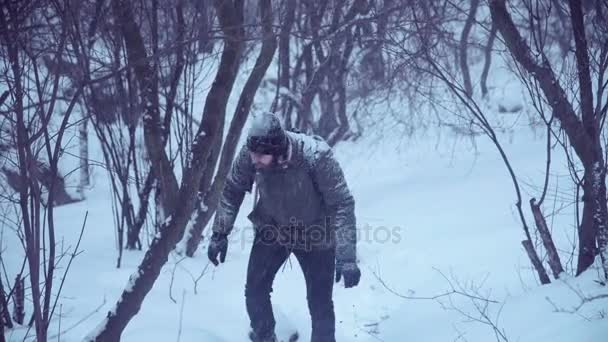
(318, 267)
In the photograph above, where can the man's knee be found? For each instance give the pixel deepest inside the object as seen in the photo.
(257, 290)
(320, 306)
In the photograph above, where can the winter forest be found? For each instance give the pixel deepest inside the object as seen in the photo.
(471, 135)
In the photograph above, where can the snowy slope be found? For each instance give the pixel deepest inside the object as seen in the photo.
(430, 209)
(422, 212)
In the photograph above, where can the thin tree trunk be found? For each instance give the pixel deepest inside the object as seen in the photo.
(538, 265)
(133, 241)
(5, 314)
(464, 46)
(19, 300)
(328, 119)
(284, 58)
(84, 156)
(208, 202)
(230, 16)
(327, 59)
(30, 224)
(2, 338)
(595, 171)
(488, 61)
(178, 71)
(582, 64)
(593, 224)
(583, 135)
(342, 74)
(153, 132)
(547, 239)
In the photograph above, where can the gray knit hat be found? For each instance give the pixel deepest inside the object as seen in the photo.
(266, 135)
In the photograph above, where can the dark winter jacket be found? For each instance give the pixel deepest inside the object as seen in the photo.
(304, 203)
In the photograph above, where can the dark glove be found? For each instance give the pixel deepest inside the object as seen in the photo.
(350, 271)
(217, 245)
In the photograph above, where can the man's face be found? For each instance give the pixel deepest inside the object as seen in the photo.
(261, 161)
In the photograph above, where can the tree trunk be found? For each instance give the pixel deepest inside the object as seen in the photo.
(583, 135)
(31, 226)
(19, 300)
(595, 229)
(208, 202)
(545, 234)
(592, 231)
(230, 16)
(487, 61)
(339, 31)
(84, 157)
(2, 338)
(5, 314)
(538, 265)
(133, 241)
(153, 130)
(284, 57)
(464, 46)
(328, 119)
(340, 86)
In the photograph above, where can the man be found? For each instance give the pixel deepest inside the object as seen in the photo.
(304, 208)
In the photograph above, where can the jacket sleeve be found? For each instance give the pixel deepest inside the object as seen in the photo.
(329, 178)
(239, 180)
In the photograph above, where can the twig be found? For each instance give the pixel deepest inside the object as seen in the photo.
(181, 316)
(482, 310)
(96, 310)
(434, 297)
(584, 299)
(74, 254)
(172, 278)
(481, 304)
(460, 336)
(200, 277)
(59, 333)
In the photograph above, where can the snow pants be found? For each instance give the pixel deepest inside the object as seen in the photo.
(318, 266)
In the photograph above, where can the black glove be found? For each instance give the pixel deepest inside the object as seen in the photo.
(217, 245)
(350, 271)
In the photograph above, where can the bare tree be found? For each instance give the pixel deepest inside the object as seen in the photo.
(333, 46)
(5, 314)
(487, 61)
(284, 65)
(178, 200)
(83, 140)
(479, 299)
(209, 193)
(583, 131)
(464, 47)
(116, 110)
(429, 51)
(422, 43)
(27, 36)
(19, 300)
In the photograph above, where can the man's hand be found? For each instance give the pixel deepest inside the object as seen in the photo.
(350, 271)
(217, 245)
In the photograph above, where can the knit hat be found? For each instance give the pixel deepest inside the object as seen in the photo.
(266, 135)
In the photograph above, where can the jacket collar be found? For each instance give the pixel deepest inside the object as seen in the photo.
(284, 161)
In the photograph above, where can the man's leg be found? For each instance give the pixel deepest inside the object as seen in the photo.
(318, 267)
(264, 262)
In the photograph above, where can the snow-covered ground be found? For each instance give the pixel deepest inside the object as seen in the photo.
(433, 215)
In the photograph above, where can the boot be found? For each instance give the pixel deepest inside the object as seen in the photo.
(255, 338)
